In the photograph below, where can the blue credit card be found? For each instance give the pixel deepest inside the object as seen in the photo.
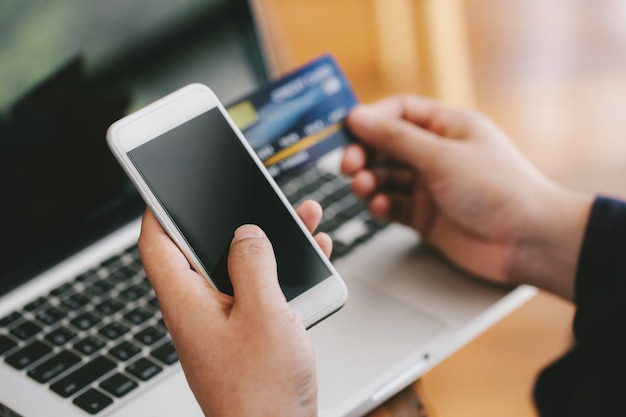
(292, 121)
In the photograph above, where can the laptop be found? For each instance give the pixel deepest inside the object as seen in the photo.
(80, 329)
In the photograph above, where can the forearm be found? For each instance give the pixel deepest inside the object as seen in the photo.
(547, 256)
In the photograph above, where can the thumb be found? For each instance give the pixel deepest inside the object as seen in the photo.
(393, 135)
(252, 267)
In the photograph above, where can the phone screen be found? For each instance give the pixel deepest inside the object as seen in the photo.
(209, 185)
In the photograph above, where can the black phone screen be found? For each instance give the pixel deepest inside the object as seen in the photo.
(210, 185)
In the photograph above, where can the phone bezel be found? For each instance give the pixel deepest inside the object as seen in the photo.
(173, 110)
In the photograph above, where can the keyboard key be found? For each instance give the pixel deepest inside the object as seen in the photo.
(138, 315)
(135, 267)
(154, 303)
(133, 251)
(144, 369)
(114, 330)
(60, 336)
(125, 351)
(85, 375)
(89, 345)
(92, 273)
(334, 196)
(61, 289)
(109, 307)
(6, 344)
(93, 401)
(100, 287)
(53, 367)
(329, 224)
(134, 292)
(149, 336)
(50, 315)
(75, 301)
(353, 209)
(113, 263)
(144, 280)
(33, 305)
(350, 231)
(28, 355)
(339, 250)
(119, 385)
(85, 321)
(10, 318)
(166, 353)
(123, 273)
(142, 274)
(25, 330)
(145, 284)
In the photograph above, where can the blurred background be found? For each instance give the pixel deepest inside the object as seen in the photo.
(551, 73)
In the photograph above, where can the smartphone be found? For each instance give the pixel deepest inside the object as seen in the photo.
(198, 174)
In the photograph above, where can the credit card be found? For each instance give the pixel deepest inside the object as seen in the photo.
(293, 121)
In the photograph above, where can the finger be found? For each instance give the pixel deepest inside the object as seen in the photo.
(393, 178)
(364, 184)
(437, 117)
(383, 179)
(354, 159)
(357, 158)
(160, 256)
(380, 206)
(325, 243)
(252, 269)
(175, 283)
(394, 136)
(311, 214)
(393, 207)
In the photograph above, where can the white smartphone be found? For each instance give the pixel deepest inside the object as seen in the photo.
(202, 180)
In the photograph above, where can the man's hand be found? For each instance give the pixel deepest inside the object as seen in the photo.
(247, 355)
(457, 179)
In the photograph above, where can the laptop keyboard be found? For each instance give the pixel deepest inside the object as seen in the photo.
(100, 336)
(93, 339)
(346, 218)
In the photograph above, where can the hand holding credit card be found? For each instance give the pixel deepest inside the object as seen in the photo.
(292, 121)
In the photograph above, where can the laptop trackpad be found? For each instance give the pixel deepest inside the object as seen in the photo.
(363, 342)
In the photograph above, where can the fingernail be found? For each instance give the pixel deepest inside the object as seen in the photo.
(248, 231)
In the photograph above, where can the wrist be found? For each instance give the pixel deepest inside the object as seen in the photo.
(547, 254)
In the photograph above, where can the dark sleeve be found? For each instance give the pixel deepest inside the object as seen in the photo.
(590, 380)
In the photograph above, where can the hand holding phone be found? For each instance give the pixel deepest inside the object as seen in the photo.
(202, 180)
(246, 338)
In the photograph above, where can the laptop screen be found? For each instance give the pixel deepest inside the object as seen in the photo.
(69, 69)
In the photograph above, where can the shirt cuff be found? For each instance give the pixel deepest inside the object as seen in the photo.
(601, 270)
